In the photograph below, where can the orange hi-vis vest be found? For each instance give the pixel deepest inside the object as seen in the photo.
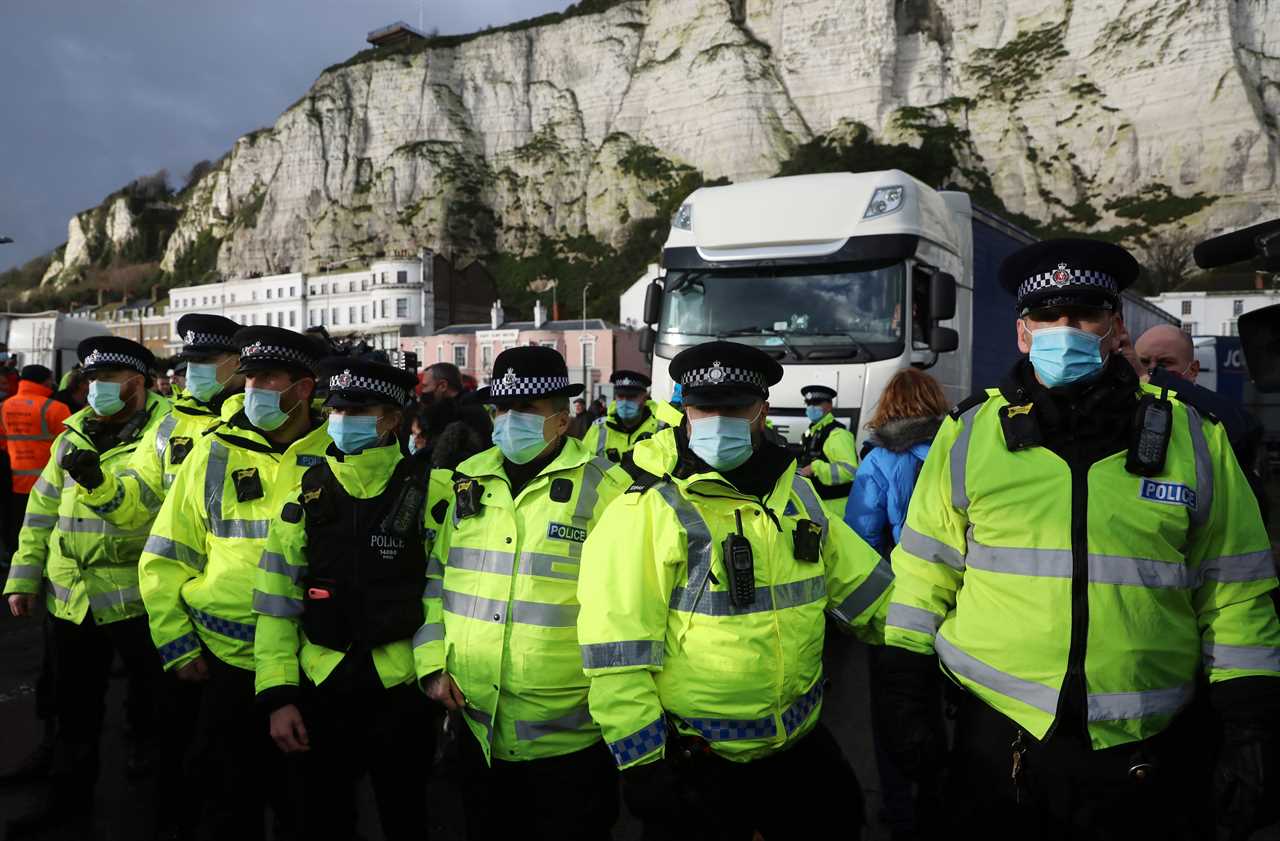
(31, 420)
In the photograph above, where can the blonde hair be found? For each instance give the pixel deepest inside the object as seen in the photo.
(910, 394)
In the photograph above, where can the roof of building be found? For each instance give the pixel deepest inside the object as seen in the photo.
(563, 325)
(393, 30)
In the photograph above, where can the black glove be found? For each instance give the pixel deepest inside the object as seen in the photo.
(82, 465)
(911, 698)
(1244, 779)
(652, 791)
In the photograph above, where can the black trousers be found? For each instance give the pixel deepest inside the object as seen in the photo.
(13, 521)
(808, 791)
(1073, 792)
(389, 734)
(563, 798)
(84, 654)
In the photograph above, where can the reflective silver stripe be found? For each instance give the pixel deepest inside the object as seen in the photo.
(173, 550)
(589, 495)
(930, 549)
(960, 459)
(1246, 657)
(26, 437)
(601, 437)
(43, 486)
(1124, 706)
(146, 496)
(716, 602)
(481, 560)
(536, 563)
(275, 562)
(168, 480)
(482, 718)
(545, 615)
(611, 655)
(1204, 469)
(474, 607)
(25, 572)
(62, 593)
(1251, 566)
(698, 535)
(911, 618)
(812, 505)
(163, 430)
(1037, 695)
(39, 521)
(33, 472)
(248, 529)
(1041, 563)
(44, 417)
(434, 567)
(434, 589)
(127, 597)
(1103, 569)
(214, 479)
(89, 525)
(866, 593)
(579, 719)
(273, 605)
(428, 633)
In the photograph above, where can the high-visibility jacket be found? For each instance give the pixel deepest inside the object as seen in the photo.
(668, 414)
(607, 436)
(281, 645)
(502, 606)
(1170, 573)
(660, 636)
(30, 420)
(832, 453)
(89, 564)
(198, 568)
(137, 489)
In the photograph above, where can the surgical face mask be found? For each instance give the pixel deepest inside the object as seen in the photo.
(628, 410)
(104, 397)
(722, 442)
(412, 444)
(519, 436)
(1065, 355)
(353, 433)
(202, 381)
(262, 407)
(814, 413)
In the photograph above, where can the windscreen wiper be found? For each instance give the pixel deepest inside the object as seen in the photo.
(859, 349)
(761, 331)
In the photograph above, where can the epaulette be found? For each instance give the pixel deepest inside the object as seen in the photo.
(975, 399)
(641, 479)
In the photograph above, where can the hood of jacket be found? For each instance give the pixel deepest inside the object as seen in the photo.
(902, 434)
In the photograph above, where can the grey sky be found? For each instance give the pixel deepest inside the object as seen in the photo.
(94, 93)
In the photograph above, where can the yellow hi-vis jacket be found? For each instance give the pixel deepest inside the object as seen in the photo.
(607, 437)
(89, 563)
(661, 637)
(198, 567)
(280, 644)
(1177, 570)
(502, 603)
(131, 495)
(834, 467)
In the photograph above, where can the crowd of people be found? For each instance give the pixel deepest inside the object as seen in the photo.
(318, 568)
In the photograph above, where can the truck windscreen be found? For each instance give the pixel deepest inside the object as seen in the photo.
(812, 313)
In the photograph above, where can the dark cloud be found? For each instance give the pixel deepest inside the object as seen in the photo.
(94, 94)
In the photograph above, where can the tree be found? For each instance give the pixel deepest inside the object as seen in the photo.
(198, 170)
(1166, 260)
(151, 187)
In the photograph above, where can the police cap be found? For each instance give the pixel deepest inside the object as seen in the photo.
(630, 382)
(724, 374)
(264, 348)
(107, 352)
(205, 336)
(356, 382)
(1068, 272)
(814, 394)
(528, 373)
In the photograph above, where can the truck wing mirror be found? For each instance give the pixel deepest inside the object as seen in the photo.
(943, 339)
(647, 340)
(653, 303)
(942, 297)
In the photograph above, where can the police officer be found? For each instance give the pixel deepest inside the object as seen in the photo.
(632, 417)
(350, 549)
(703, 592)
(830, 454)
(90, 572)
(500, 640)
(199, 565)
(1080, 554)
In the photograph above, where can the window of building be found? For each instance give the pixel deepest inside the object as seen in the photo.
(460, 355)
(1186, 308)
(268, 294)
(384, 277)
(291, 293)
(1233, 328)
(333, 315)
(364, 284)
(233, 297)
(351, 315)
(588, 354)
(486, 356)
(351, 287)
(402, 277)
(1237, 308)
(364, 313)
(293, 318)
(402, 307)
(1189, 327)
(384, 308)
(324, 289)
(439, 353)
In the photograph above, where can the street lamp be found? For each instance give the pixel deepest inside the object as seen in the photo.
(582, 344)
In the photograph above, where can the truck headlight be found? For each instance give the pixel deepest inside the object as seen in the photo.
(683, 219)
(884, 200)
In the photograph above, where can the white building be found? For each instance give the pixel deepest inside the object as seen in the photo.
(381, 303)
(1214, 313)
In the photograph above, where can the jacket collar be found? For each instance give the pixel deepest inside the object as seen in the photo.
(365, 474)
(30, 388)
(489, 463)
(155, 405)
(828, 418)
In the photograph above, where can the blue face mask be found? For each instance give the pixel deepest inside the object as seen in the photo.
(722, 442)
(519, 436)
(104, 397)
(202, 381)
(412, 444)
(353, 433)
(627, 410)
(262, 407)
(1065, 355)
(814, 413)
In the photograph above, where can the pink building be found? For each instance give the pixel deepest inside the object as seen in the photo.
(593, 349)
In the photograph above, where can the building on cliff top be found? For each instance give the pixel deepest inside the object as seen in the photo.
(395, 35)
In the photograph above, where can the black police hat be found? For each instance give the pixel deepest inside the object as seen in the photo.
(629, 382)
(355, 382)
(35, 373)
(1068, 272)
(814, 394)
(263, 348)
(104, 352)
(724, 374)
(204, 336)
(1260, 341)
(528, 373)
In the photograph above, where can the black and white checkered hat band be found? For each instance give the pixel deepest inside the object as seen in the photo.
(194, 339)
(719, 375)
(1098, 280)
(347, 380)
(510, 386)
(628, 382)
(276, 353)
(123, 360)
